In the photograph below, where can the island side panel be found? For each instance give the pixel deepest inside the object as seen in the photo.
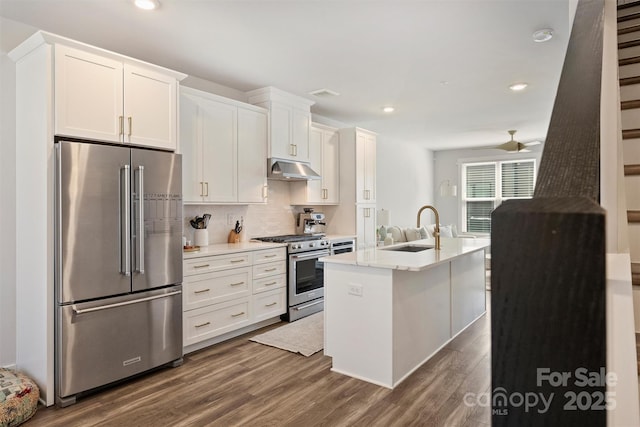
(358, 328)
(421, 318)
(468, 301)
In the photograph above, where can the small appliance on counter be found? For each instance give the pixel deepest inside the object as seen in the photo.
(310, 223)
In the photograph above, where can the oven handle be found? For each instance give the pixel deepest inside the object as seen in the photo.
(309, 255)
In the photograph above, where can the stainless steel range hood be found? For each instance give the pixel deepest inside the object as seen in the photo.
(288, 170)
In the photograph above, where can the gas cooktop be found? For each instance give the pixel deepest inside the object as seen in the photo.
(288, 238)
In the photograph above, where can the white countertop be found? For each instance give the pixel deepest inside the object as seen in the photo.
(332, 237)
(413, 261)
(229, 248)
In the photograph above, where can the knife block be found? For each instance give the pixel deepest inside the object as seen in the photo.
(201, 237)
(234, 237)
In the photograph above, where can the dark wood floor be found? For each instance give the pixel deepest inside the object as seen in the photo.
(242, 383)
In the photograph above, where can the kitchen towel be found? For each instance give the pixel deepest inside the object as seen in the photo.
(304, 336)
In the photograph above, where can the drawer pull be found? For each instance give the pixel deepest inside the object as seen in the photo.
(270, 269)
(239, 314)
(202, 324)
(270, 305)
(201, 291)
(270, 256)
(237, 260)
(236, 284)
(201, 266)
(270, 283)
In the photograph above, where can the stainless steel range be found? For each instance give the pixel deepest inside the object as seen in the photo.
(305, 288)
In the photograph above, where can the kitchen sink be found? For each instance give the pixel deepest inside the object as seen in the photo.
(408, 248)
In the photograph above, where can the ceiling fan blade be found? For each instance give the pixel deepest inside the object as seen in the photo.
(508, 146)
(532, 143)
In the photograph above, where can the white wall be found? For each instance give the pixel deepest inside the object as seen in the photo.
(7, 212)
(447, 167)
(404, 180)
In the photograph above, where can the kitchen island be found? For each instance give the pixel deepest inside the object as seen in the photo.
(387, 310)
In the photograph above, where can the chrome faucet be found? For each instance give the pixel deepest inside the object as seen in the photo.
(436, 230)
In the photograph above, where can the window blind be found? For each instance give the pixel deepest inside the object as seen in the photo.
(517, 180)
(481, 181)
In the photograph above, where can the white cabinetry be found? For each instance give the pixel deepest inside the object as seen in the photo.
(357, 208)
(112, 99)
(80, 95)
(324, 156)
(223, 293)
(223, 144)
(289, 124)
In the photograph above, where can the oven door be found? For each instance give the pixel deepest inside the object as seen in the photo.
(306, 276)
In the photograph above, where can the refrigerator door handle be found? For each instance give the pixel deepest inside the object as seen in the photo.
(140, 225)
(125, 221)
(120, 304)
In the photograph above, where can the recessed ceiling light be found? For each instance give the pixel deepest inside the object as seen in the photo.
(388, 109)
(543, 35)
(516, 87)
(147, 4)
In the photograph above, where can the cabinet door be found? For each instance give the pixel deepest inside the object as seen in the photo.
(150, 108)
(370, 168)
(301, 121)
(88, 95)
(331, 167)
(191, 148)
(252, 156)
(366, 226)
(219, 151)
(281, 144)
(315, 186)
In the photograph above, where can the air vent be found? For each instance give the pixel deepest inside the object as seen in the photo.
(324, 93)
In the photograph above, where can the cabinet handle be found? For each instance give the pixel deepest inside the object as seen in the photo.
(295, 150)
(130, 124)
(270, 256)
(270, 269)
(238, 314)
(367, 213)
(291, 150)
(207, 187)
(201, 266)
(237, 260)
(270, 305)
(270, 283)
(201, 189)
(201, 291)
(202, 324)
(236, 284)
(121, 120)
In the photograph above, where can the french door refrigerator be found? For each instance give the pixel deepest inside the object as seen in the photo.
(118, 264)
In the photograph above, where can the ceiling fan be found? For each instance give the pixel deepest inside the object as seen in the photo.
(516, 146)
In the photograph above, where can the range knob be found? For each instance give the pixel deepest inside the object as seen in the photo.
(311, 245)
(294, 246)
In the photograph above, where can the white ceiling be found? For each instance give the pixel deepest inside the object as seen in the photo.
(374, 53)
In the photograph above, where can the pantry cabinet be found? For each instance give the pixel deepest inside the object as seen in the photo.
(129, 103)
(324, 156)
(223, 144)
(289, 122)
(357, 208)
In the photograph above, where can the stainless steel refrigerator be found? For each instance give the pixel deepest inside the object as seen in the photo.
(118, 264)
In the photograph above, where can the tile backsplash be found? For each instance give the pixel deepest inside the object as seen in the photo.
(275, 217)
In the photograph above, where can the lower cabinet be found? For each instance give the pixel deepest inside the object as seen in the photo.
(231, 297)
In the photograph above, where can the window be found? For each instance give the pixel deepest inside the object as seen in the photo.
(486, 185)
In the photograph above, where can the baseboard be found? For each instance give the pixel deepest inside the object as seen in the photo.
(11, 367)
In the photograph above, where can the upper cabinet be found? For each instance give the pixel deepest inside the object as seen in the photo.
(224, 149)
(324, 157)
(289, 124)
(108, 98)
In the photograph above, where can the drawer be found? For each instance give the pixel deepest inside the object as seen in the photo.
(269, 255)
(269, 304)
(270, 269)
(210, 288)
(214, 320)
(269, 283)
(216, 263)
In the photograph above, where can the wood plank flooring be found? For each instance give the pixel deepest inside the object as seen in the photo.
(242, 383)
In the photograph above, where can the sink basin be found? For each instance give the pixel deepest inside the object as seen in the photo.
(408, 248)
